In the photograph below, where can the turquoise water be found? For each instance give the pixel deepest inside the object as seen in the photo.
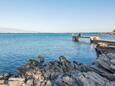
(16, 49)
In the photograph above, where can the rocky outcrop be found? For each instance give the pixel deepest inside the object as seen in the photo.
(62, 72)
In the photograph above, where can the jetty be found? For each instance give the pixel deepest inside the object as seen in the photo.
(76, 37)
(93, 39)
(108, 42)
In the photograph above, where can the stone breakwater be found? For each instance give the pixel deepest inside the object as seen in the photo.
(62, 72)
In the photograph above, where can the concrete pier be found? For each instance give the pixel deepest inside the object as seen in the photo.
(108, 42)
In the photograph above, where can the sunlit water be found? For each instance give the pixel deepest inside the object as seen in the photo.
(17, 49)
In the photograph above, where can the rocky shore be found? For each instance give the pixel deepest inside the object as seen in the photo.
(62, 72)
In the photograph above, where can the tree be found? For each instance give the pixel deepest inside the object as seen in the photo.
(114, 30)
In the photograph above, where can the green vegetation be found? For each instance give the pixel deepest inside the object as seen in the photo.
(114, 30)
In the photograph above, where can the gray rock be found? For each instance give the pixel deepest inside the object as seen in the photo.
(112, 61)
(41, 59)
(5, 76)
(112, 67)
(62, 72)
(30, 82)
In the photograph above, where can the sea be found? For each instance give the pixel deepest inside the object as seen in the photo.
(17, 48)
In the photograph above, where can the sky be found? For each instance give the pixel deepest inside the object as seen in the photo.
(57, 15)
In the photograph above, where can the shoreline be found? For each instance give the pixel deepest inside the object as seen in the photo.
(62, 72)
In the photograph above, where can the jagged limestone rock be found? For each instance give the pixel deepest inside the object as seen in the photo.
(62, 72)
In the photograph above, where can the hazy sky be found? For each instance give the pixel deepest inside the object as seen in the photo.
(57, 15)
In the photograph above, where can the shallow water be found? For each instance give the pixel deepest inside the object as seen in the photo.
(16, 49)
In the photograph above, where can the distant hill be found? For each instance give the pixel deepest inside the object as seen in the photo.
(14, 30)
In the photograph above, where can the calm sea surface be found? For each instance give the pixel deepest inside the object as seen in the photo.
(17, 49)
